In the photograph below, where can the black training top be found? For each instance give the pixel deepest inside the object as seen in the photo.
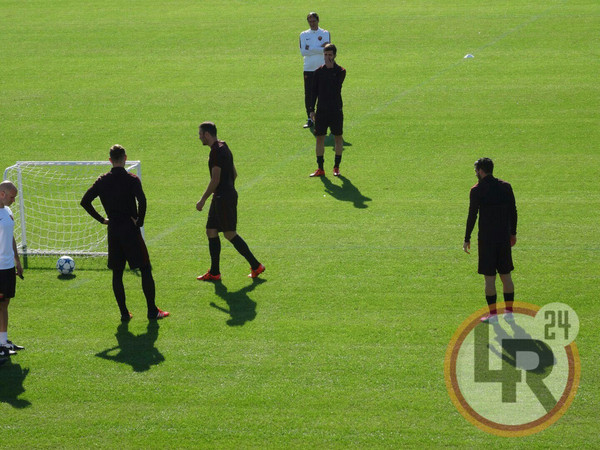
(495, 202)
(327, 88)
(221, 156)
(118, 191)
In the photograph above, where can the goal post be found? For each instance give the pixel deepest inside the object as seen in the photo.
(49, 219)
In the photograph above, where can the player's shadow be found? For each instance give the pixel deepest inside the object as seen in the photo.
(347, 192)
(137, 351)
(12, 378)
(545, 355)
(242, 308)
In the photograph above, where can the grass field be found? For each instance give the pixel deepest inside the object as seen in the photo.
(343, 343)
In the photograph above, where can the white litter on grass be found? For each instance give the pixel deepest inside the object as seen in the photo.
(468, 55)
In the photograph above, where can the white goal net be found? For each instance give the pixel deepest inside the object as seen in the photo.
(48, 217)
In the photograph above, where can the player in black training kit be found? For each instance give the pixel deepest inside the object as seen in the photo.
(222, 215)
(118, 191)
(495, 202)
(327, 89)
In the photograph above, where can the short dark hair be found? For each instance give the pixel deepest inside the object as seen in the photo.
(312, 14)
(117, 152)
(209, 127)
(485, 164)
(330, 48)
(7, 186)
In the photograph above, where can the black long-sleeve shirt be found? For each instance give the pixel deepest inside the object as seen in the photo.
(495, 202)
(327, 88)
(118, 191)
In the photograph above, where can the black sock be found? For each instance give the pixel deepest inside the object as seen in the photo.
(320, 161)
(491, 301)
(119, 290)
(241, 246)
(214, 247)
(149, 290)
(338, 160)
(509, 297)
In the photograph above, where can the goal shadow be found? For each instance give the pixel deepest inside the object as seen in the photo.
(82, 264)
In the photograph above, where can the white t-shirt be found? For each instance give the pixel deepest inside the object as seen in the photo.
(311, 42)
(7, 228)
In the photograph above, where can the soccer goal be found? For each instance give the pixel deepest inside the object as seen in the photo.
(48, 217)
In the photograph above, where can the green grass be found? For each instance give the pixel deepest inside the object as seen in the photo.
(347, 345)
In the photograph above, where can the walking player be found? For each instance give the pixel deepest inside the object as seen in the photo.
(222, 215)
(118, 191)
(495, 202)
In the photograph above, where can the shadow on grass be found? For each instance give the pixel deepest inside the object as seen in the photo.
(82, 263)
(137, 351)
(12, 377)
(347, 192)
(330, 141)
(538, 358)
(242, 308)
(508, 352)
(66, 277)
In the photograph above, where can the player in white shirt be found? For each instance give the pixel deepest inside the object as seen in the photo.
(312, 42)
(9, 262)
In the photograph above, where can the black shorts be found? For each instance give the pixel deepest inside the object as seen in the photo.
(8, 282)
(334, 120)
(222, 214)
(494, 257)
(127, 244)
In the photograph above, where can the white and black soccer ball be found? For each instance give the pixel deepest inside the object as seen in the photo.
(65, 265)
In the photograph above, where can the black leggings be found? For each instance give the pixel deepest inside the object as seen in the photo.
(147, 286)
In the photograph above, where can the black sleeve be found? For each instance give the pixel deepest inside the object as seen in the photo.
(141, 199)
(220, 160)
(87, 200)
(342, 76)
(472, 217)
(314, 91)
(512, 212)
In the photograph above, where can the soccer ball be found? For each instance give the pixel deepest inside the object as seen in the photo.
(65, 265)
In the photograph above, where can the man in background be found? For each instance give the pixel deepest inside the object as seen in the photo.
(312, 44)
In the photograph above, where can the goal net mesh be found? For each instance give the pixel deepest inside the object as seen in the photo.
(48, 217)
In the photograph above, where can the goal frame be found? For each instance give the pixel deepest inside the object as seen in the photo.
(22, 245)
